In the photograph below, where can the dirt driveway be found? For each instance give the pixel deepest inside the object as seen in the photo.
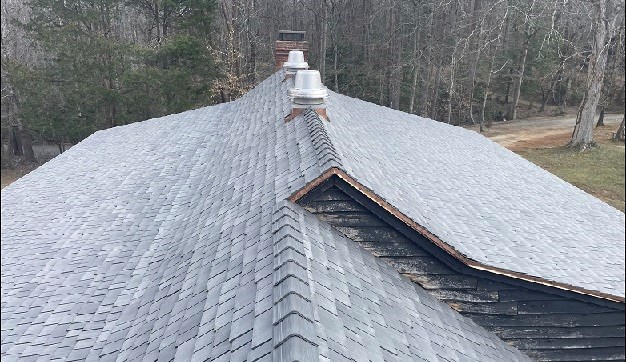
(543, 132)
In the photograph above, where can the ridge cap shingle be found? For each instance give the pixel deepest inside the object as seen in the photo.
(294, 330)
(327, 154)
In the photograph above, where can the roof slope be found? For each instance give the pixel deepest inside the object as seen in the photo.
(361, 309)
(486, 202)
(164, 239)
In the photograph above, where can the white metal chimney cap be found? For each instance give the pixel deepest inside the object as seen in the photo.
(308, 85)
(295, 61)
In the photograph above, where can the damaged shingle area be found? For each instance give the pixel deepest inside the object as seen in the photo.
(171, 239)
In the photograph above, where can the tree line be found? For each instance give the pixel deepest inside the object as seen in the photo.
(75, 66)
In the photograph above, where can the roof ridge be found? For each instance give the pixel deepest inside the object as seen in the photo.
(292, 313)
(327, 154)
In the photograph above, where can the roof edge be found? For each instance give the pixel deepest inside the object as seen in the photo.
(335, 171)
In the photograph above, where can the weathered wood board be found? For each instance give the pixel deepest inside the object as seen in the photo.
(546, 323)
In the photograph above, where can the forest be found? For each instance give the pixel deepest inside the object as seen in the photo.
(72, 67)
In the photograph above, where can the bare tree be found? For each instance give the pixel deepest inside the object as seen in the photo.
(459, 61)
(605, 22)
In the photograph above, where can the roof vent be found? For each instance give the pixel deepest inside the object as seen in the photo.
(308, 92)
(294, 63)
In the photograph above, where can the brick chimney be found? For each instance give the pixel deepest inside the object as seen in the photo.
(289, 40)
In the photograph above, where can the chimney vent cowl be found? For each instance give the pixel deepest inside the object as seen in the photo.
(308, 90)
(295, 62)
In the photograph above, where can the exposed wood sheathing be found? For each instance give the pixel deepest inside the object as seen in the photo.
(546, 323)
(333, 171)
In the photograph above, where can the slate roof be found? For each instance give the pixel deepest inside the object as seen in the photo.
(172, 239)
(488, 203)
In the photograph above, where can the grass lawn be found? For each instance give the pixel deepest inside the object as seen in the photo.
(599, 171)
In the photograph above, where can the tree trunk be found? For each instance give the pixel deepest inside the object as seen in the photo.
(476, 49)
(323, 40)
(231, 54)
(16, 141)
(414, 87)
(423, 106)
(157, 22)
(451, 88)
(416, 65)
(520, 77)
(568, 87)
(22, 143)
(619, 135)
(394, 68)
(509, 81)
(601, 118)
(435, 94)
(544, 99)
(335, 60)
(556, 81)
(21, 140)
(582, 137)
(485, 95)
(252, 30)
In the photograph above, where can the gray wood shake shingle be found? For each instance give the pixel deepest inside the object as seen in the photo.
(172, 239)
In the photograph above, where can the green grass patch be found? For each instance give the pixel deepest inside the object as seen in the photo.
(598, 171)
